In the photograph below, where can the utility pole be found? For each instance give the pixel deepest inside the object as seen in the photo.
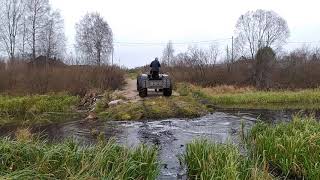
(112, 57)
(228, 53)
(228, 59)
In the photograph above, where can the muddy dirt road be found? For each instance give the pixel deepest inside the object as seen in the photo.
(129, 91)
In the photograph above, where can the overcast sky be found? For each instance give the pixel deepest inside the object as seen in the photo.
(183, 21)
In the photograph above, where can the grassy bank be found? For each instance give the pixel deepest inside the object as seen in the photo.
(36, 109)
(184, 105)
(155, 108)
(248, 97)
(32, 159)
(207, 160)
(293, 148)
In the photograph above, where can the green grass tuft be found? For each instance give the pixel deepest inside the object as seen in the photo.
(37, 108)
(67, 160)
(212, 161)
(293, 147)
(207, 160)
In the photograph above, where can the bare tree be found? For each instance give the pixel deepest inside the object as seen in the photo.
(12, 13)
(199, 60)
(23, 35)
(94, 38)
(316, 54)
(37, 14)
(213, 53)
(52, 37)
(260, 28)
(168, 52)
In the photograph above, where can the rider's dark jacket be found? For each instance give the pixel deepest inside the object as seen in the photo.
(155, 66)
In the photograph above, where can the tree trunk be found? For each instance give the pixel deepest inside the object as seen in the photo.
(34, 35)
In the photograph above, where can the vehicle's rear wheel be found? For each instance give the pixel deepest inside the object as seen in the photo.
(167, 92)
(143, 92)
(137, 84)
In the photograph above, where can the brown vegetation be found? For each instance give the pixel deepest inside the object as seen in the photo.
(20, 78)
(298, 70)
(228, 89)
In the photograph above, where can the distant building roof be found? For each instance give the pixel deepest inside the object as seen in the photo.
(43, 61)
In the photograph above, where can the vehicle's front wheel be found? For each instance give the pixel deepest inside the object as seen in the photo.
(167, 92)
(143, 92)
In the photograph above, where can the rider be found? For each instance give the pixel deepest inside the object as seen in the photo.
(155, 68)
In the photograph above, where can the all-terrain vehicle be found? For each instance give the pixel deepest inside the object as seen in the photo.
(162, 83)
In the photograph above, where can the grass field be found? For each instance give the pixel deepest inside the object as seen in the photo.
(36, 109)
(28, 158)
(248, 97)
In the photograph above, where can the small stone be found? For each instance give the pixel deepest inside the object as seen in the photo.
(92, 116)
(115, 103)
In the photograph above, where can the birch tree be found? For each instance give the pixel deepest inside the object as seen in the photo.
(37, 14)
(12, 13)
(52, 37)
(94, 39)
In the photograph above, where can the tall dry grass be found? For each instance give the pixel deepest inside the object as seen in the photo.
(21, 78)
(228, 89)
(286, 74)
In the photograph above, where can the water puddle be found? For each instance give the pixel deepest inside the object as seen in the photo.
(170, 136)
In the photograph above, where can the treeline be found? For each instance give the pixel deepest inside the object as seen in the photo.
(298, 69)
(32, 28)
(33, 49)
(254, 59)
(29, 28)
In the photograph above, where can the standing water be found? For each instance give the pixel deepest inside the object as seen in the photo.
(170, 136)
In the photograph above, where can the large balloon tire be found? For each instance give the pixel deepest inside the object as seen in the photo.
(167, 92)
(143, 92)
